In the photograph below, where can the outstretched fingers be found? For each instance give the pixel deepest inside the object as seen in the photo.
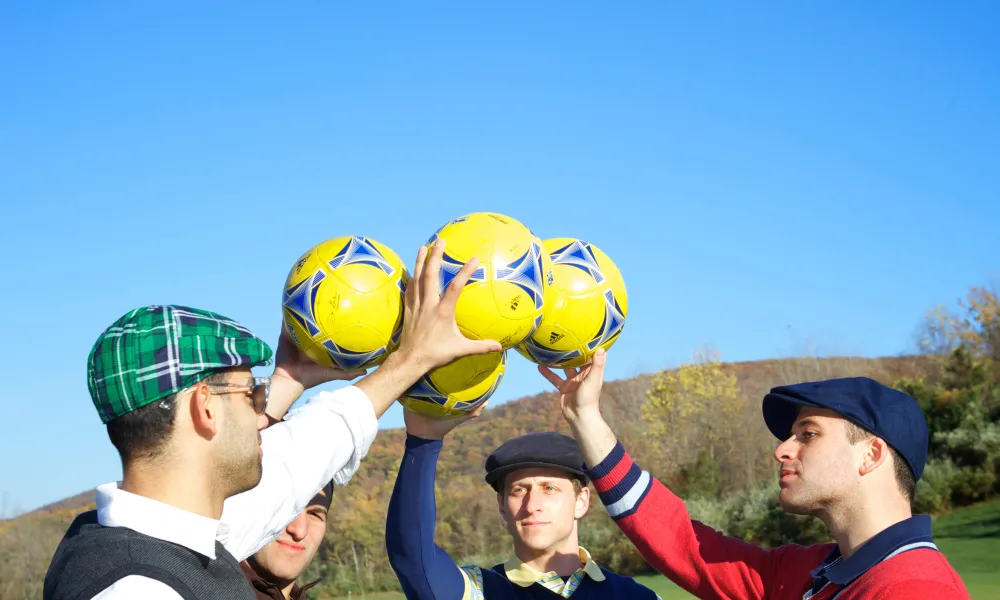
(450, 297)
(550, 375)
(431, 272)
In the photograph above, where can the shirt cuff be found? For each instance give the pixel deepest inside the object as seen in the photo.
(413, 442)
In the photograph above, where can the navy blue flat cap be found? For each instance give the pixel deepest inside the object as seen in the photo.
(543, 449)
(889, 414)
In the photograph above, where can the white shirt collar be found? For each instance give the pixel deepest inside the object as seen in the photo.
(118, 508)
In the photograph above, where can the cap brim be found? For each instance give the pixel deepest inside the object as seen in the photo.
(780, 412)
(495, 476)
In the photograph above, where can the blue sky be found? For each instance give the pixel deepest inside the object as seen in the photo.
(770, 181)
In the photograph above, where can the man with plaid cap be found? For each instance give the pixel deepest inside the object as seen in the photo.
(204, 484)
(850, 453)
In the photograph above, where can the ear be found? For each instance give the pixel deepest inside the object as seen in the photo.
(876, 454)
(206, 411)
(500, 504)
(582, 503)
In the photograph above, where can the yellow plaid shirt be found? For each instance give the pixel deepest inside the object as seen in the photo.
(521, 574)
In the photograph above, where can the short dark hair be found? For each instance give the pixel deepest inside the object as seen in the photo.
(144, 432)
(904, 474)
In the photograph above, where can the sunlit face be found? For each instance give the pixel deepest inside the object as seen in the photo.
(239, 448)
(283, 560)
(541, 507)
(819, 467)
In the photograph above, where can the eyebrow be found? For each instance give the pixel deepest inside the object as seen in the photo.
(807, 422)
(536, 482)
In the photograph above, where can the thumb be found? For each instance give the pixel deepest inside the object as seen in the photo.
(482, 346)
(597, 365)
(346, 375)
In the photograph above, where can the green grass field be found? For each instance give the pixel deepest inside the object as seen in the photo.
(969, 537)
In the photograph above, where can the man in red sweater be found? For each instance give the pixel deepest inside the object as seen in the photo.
(850, 453)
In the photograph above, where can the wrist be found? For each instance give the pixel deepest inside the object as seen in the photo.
(584, 417)
(284, 380)
(424, 435)
(406, 364)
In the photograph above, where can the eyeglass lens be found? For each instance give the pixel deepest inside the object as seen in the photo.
(259, 398)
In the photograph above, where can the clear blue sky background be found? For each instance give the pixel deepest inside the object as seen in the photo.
(771, 178)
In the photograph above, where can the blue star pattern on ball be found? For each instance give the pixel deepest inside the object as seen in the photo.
(450, 268)
(613, 323)
(526, 273)
(299, 300)
(548, 356)
(579, 255)
(424, 390)
(360, 251)
(349, 359)
(474, 404)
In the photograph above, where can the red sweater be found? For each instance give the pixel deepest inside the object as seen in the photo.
(711, 565)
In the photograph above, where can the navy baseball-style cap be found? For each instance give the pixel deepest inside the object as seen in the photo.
(542, 449)
(889, 414)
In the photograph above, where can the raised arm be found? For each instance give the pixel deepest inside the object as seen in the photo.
(327, 437)
(424, 570)
(700, 559)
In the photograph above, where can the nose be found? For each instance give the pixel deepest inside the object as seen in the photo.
(298, 528)
(785, 450)
(533, 503)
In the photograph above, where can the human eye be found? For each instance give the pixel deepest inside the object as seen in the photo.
(318, 514)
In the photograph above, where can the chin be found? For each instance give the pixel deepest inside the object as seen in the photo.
(790, 506)
(536, 543)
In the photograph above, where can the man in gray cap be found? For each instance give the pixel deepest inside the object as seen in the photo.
(203, 487)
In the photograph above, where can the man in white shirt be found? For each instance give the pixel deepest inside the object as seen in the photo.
(204, 485)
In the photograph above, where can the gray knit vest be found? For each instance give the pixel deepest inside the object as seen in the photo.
(92, 557)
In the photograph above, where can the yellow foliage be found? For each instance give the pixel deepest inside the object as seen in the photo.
(700, 400)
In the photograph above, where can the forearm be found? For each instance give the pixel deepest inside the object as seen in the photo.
(701, 560)
(283, 394)
(424, 570)
(593, 435)
(396, 375)
(324, 439)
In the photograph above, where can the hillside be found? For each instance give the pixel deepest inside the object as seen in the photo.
(353, 556)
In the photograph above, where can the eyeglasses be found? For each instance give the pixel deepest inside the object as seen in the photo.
(258, 390)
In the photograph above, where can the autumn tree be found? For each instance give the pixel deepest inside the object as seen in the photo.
(693, 415)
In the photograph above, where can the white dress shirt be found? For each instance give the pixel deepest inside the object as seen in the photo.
(324, 439)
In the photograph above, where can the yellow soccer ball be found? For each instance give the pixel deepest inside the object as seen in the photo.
(505, 296)
(458, 387)
(343, 302)
(585, 308)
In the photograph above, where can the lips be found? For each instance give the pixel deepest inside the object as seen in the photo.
(291, 546)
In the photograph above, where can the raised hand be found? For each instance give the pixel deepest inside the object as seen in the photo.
(579, 399)
(430, 335)
(580, 391)
(291, 363)
(294, 372)
(429, 428)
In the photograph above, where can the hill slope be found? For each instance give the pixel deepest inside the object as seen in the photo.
(353, 555)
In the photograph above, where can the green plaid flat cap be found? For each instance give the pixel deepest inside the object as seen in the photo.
(155, 351)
